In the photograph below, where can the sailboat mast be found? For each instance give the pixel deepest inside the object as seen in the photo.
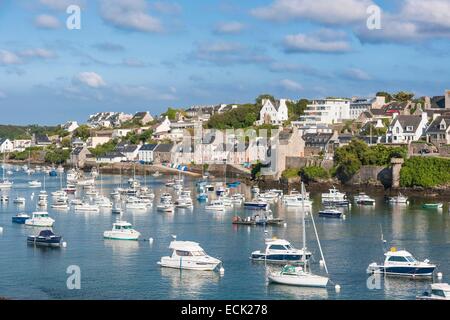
(318, 242)
(303, 223)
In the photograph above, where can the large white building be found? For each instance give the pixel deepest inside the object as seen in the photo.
(359, 105)
(273, 113)
(327, 111)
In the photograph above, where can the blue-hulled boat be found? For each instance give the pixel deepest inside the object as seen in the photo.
(330, 213)
(256, 205)
(20, 218)
(53, 173)
(45, 238)
(402, 263)
(202, 197)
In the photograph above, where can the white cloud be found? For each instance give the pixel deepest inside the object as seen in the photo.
(166, 7)
(231, 27)
(9, 58)
(90, 79)
(59, 4)
(356, 74)
(291, 85)
(326, 41)
(38, 53)
(46, 21)
(322, 11)
(130, 15)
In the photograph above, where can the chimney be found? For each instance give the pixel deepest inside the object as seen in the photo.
(447, 99)
(427, 103)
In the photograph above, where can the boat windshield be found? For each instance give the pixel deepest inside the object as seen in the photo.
(410, 259)
(198, 253)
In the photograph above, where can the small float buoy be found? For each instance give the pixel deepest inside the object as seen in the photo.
(337, 288)
(439, 275)
(285, 224)
(344, 217)
(150, 240)
(1, 229)
(222, 271)
(64, 244)
(174, 236)
(322, 263)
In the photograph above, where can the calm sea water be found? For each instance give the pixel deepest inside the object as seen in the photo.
(129, 270)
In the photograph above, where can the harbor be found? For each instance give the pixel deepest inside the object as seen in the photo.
(135, 269)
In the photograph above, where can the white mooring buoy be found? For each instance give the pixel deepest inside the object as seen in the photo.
(322, 263)
(337, 288)
(64, 244)
(344, 217)
(439, 275)
(150, 240)
(285, 224)
(222, 271)
(1, 229)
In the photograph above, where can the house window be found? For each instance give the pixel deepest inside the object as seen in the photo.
(409, 128)
(442, 127)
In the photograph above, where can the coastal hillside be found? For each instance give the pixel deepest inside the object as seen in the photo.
(13, 132)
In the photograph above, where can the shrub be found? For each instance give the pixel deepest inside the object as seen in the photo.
(425, 172)
(314, 173)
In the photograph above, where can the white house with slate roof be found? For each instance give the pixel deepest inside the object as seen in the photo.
(406, 128)
(273, 113)
(6, 145)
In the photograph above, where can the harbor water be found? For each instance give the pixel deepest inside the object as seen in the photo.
(112, 269)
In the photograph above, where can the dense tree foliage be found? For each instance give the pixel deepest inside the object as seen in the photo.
(296, 109)
(314, 174)
(262, 97)
(103, 149)
(83, 132)
(403, 96)
(241, 117)
(425, 172)
(25, 132)
(349, 159)
(56, 155)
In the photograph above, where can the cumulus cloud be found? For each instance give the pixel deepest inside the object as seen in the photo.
(325, 41)
(290, 85)
(415, 21)
(356, 74)
(90, 79)
(322, 11)
(9, 58)
(46, 21)
(38, 53)
(232, 27)
(129, 15)
(222, 52)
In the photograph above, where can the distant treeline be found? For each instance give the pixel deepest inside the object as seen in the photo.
(13, 132)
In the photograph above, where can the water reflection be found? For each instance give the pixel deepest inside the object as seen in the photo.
(188, 282)
(401, 288)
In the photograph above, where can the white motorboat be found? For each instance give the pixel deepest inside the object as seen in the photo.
(103, 202)
(40, 219)
(184, 200)
(5, 184)
(294, 195)
(59, 193)
(255, 190)
(215, 205)
(86, 207)
(165, 197)
(4, 198)
(364, 199)
(165, 206)
(135, 203)
(76, 202)
(237, 198)
(402, 263)
(227, 201)
(333, 195)
(60, 203)
(19, 200)
(280, 251)
(34, 184)
(399, 199)
(86, 182)
(297, 202)
(190, 256)
(122, 230)
(439, 291)
(296, 276)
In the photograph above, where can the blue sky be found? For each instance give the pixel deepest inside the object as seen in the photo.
(134, 55)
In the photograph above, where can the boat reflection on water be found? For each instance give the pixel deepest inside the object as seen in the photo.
(123, 248)
(401, 288)
(284, 292)
(188, 282)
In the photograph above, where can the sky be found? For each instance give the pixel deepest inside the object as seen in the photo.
(138, 55)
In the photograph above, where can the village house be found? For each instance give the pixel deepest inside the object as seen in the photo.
(130, 151)
(70, 126)
(112, 157)
(99, 137)
(78, 156)
(324, 112)
(145, 153)
(273, 113)
(120, 133)
(6, 145)
(40, 140)
(287, 144)
(320, 144)
(359, 105)
(163, 153)
(438, 132)
(162, 130)
(108, 119)
(21, 144)
(406, 128)
(77, 142)
(143, 117)
(437, 105)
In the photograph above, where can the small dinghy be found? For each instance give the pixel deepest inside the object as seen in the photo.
(330, 213)
(45, 238)
(433, 205)
(20, 218)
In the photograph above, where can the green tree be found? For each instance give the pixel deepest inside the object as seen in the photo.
(403, 96)
(261, 97)
(83, 132)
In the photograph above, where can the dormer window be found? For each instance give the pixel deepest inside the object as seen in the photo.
(442, 126)
(409, 128)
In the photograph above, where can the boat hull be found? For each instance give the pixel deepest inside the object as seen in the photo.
(306, 280)
(186, 264)
(281, 258)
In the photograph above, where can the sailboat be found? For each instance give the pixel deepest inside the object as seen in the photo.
(5, 183)
(297, 275)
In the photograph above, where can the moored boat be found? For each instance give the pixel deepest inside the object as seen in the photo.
(279, 251)
(20, 218)
(122, 230)
(256, 205)
(45, 238)
(330, 212)
(40, 219)
(364, 199)
(433, 205)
